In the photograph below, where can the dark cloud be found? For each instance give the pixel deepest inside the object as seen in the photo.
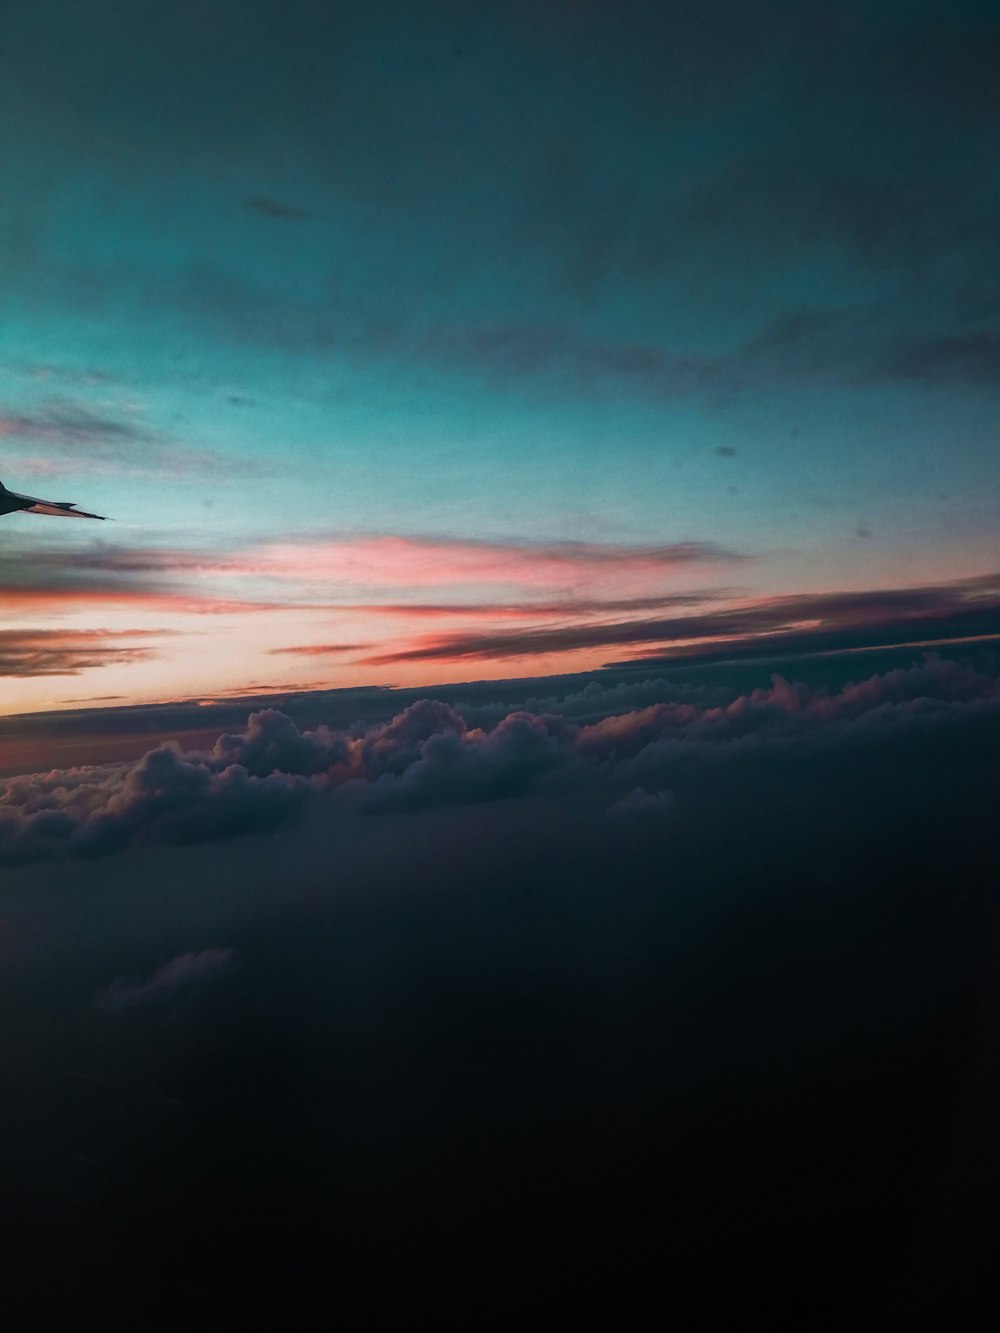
(103, 558)
(319, 649)
(272, 743)
(37, 574)
(35, 566)
(833, 345)
(70, 425)
(174, 981)
(270, 208)
(645, 745)
(428, 757)
(104, 442)
(847, 346)
(493, 1022)
(864, 345)
(790, 331)
(168, 795)
(39, 652)
(519, 350)
(938, 611)
(970, 357)
(428, 754)
(101, 735)
(532, 610)
(582, 552)
(595, 700)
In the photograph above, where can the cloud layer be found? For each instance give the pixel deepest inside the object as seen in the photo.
(524, 579)
(802, 622)
(627, 740)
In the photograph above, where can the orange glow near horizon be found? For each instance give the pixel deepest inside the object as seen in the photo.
(144, 626)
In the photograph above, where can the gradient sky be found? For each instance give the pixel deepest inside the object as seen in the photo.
(424, 343)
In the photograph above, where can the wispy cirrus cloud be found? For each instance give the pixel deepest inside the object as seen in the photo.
(968, 607)
(365, 561)
(318, 649)
(37, 578)
(59, 600)
(45, 652)
(362, 580)
(68, 424)
(389, 561)
(973, 357)
(520, 350)
(528, 610)
(272, 208)
(109, 443)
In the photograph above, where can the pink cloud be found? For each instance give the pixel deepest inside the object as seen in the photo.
(805, 622)
(52, 600)
(35, 652)
(261, 777)
(429, 562)
(526, 610)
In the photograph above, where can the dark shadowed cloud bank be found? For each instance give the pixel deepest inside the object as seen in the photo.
(533, 991)
(627, 739)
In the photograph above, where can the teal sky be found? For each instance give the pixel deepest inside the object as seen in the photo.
(633, 275)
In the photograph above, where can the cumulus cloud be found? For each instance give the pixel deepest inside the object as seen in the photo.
(641, 804)
(628, 738)
(272, 744)
(595, 700)
(167, 795)
(176, 980)
(451, 764)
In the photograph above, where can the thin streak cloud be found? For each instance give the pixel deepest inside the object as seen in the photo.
(941, 610)
(47, 652)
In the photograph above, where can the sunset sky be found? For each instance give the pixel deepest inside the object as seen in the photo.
(412, 344)
(503, 815)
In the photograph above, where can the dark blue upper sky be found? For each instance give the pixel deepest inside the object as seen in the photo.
(652, 274)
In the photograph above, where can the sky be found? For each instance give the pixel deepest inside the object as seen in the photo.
(506, 804)
(415, 344)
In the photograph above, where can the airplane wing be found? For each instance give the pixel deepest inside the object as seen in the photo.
(11, 502)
